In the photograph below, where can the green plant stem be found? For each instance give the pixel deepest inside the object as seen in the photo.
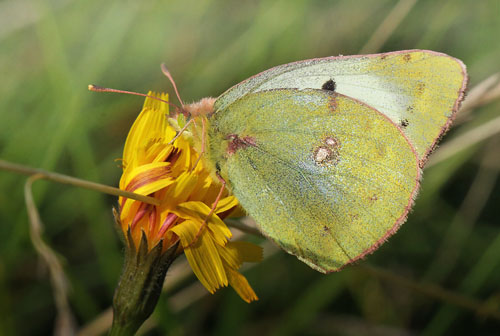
(65, 179)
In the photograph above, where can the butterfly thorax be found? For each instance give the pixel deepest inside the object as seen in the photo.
(201, 112)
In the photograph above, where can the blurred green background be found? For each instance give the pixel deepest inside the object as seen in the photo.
(439, 274)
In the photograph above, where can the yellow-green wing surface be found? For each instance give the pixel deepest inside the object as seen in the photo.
(326, 177)
(419, 90)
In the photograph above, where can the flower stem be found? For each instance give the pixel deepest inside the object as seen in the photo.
(65, 179)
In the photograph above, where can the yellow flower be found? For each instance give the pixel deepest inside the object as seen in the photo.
(154, 167)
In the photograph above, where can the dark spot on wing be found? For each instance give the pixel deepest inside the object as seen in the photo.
(407, 57)
(404, 123)
(329, 85)
(236, 143)
(326, 230)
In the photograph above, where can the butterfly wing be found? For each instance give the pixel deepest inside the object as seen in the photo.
(418, 90)
(326, 177)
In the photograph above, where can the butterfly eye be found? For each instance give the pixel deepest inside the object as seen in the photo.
(329, 85)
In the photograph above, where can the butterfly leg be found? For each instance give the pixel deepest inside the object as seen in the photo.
(181, 131)
(203, 144)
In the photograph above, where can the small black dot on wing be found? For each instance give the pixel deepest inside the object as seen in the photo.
(329, 85)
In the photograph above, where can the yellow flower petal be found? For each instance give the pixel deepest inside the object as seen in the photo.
(199, 211)
(162, 152)
(184, 186)
(150, 121)
(225, 204)
(204, 182)
(185, 160)
(241, 285)
(235, 253)
(202, 255)
(170, 133)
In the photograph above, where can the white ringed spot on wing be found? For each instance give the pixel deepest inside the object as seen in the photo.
(328, 152)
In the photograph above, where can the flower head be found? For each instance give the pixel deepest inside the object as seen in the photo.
(171, 173)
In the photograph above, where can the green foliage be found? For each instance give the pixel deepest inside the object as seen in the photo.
(51, 50)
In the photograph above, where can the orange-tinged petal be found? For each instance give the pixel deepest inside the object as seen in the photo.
(145, 175)
(128, 211)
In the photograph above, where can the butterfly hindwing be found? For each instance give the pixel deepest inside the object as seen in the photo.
(325, 176)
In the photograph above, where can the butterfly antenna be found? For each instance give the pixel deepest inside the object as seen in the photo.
(171, 79)
(97, 88)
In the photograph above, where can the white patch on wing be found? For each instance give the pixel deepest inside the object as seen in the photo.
(374, 91)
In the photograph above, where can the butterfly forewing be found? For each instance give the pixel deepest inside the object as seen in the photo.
(418, 90)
